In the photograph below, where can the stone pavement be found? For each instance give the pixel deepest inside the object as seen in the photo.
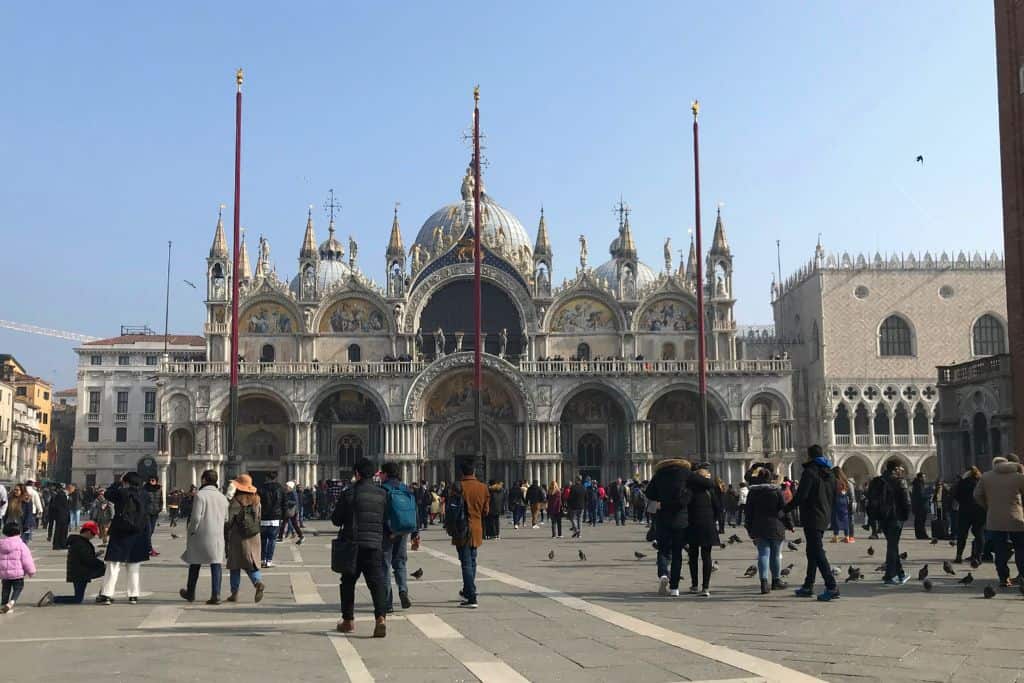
(560, 620)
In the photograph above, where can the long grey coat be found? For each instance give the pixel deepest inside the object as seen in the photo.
(243, 553)
(205, 543)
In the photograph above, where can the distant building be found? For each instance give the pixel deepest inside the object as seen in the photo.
(117, 416)
(870, 334)
(62, 434)
(33, 393)
(6, 424)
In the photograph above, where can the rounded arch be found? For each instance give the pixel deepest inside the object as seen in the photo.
(425, 289)
(929, 466)
(331, 388)
(715, 401)
(622, 400)
(348, 312)
(857, 466)
(666, 312)
(177, 408)
(415, 400)
(618, 317)
(450, 310)
(270, 312)
(989, 335)
(496, 445)
(896, 336)
(256, 390)
(785, 409)
(903, 460)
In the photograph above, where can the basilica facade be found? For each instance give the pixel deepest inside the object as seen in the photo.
(595, 375)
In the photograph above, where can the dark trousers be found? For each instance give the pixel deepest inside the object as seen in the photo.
(75, 599)
(152, 526)
(671, 543)
(976, 527)
(11, 590)
(892, 528)
(369, 564)
(49, 526)
(268, 541)
(492, 526)
(920, 522)
(1001, 549)
(467, 558)
(556, 525)
(60, 533)
(216, 573)
(518, 514)
(620, 513)
(705, 557)
(817, 560)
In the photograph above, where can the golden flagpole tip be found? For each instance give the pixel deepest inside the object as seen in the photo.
(476, 93)
(239, 75)
(695, 108)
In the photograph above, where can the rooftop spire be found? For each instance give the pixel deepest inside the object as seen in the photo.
(244, 269)
(691, 261)
(628, 246)
(395, 246)
(219, 248)
(543, 245)
(309, 241)
(718, 243)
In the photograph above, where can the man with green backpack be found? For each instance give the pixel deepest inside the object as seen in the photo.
(401, 522)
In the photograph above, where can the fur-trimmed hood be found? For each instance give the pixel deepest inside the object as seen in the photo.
(673, 462)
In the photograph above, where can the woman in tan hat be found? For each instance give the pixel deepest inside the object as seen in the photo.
(243, 531)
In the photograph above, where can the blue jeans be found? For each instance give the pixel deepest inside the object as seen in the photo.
(620, 514)
(768, 558)
(235, 578)
(75, 599)
(518, 515)
(395, 554)
(76, 518)
(592, 509)
(467, 558)
(215, 578)
(893, 529)
(268, 536)
(817, 560)
(1001, 549)
(576, 520)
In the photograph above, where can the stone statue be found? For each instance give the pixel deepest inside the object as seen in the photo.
(720, 286)
(264, 250)
(309, 280)
(439, 343)
(583, 251)
(668, 254)
(458, 342)
(503, 342)
(419, 340)
(399, 315)
(501, 240)
(525, 351)
(353, 250)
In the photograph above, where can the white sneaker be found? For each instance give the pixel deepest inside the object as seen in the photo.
(663, 586)
(535, 526)
(674, 592)
(268, 565)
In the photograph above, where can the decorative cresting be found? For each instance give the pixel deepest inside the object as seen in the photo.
(428, 377)
(267, 285)
(583, 288)
(268, 310)
(426, 287)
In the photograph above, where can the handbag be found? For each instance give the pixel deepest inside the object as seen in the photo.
(344, 552)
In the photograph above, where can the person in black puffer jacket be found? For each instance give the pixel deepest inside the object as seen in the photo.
(273, 509)
(361, 512)
(767, 523)
(702, 535)
(970, 516)
(672, 487)
(814, 498)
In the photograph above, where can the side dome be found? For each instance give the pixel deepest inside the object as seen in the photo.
(328, 273)
(608, 271)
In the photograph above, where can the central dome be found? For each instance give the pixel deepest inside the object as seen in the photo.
(451, 221)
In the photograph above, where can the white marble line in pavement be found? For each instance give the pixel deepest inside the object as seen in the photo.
(719, 653)
(304, 590)
(119, 636)
(296, 555)
(481, 663)
(162, 616)
(350, 660)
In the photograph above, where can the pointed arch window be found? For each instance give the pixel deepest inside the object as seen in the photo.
(989, 336)
(895, 337)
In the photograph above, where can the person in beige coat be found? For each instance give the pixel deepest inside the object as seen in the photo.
(244, 551)
(1001, 492)
(205, 541)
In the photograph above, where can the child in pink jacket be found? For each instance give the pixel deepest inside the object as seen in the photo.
(15, 564)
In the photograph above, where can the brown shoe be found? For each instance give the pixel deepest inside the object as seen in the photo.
(259, 591)
(185, 595)
(232, 598)
(380, 630)
(214, 600)
(346, 626)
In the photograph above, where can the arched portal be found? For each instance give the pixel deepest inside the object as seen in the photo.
(450, 310)
(858, 468)
(595, 435)
(930, 468)
(347, 426)
(675, 421)
(589, 456)
(264, 434)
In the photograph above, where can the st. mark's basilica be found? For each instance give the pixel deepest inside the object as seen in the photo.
(597, 375)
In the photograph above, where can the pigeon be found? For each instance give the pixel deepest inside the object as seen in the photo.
(927, 585)
(871, 550)
(735, 539)
(923, 574)
(714, 566)
(947, 567)
(751, 570)
(975, 564)
(638, 556)
(791, 546)
(920, 159)
(722, 546)
(880, 568)
(583, 555)
(786, 570)
(854, 575)
(175, 536)
(836, 571)
(551, 554)
(935, 541)
(798, 541)
(904, 556)
(989, 592)
(967, 580)
(418, 574)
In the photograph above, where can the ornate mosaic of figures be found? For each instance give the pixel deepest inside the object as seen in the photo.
(268, 318)
(668, 315)
(353, 316)
(456, 394)
(582, 315)
(346, 406)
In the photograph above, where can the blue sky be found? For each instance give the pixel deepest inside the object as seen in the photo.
(117, 135)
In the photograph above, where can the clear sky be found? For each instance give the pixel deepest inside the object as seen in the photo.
(116, 135)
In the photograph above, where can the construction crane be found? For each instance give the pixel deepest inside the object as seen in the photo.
(46, 331)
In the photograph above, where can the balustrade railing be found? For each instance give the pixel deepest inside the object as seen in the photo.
(843, 439)
(862, 439)
(362, 369)
(980, 368)
(902, 439)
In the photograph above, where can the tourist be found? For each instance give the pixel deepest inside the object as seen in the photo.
(1000, 491)
(173, 507)
(156, 504)
(767, 523)
(813, 499)
(720, 492)
(577, 500)
(466, 509)
(308, 503)
(74, 506)
(940, 508)
(3, 501)
(842, 509)
(970, 516)
(555, 509)
(48, 520)
(743, 492)
(82, 566)
(186, 503)
(204, 543)
(670, 490)
(15, 564)
(436, 509)
(889, 498)
(359, 513)
(129, 544)
(919, 500)
(243, 547)
(19, 509)
(424, 498)
(492, 523)
(702, 533)
(36, 512)
(291, 523)
(517, 501)
(401, 523)
(60, 517)
(273, 507)
(102, 513)
(617, 501)
(534, 497)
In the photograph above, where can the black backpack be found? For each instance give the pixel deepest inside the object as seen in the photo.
(456, 515)
(130, 516)
(881, 501)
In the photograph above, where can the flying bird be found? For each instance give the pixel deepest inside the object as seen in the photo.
(583, 555)
(418, 574)
(751, 570)
(920, 159)
(189, 284)
(927, 585)
(551, 554)
(989, 592)
(786, 570)
(923, 574)
(638, 555)
(967, 580)
(871, 550)
(947, 567)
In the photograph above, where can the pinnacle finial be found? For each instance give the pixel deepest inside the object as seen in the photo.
(476, 94)
(219, 248)
(239, 76)
(695, 108)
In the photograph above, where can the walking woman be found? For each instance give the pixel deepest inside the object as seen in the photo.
(705, 512)
(767, 524)
(243, 531)
(20, 510)
(842, 509)
(970, 516)
(555, 509)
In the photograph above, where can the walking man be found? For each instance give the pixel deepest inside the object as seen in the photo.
(152, 487)
(617, 497)
(577, 501)
(534, 496)
(889, 498)
(468, 502)
(273, 508)
(60, 515)
(205, 541)
(401, 521)
(1000, 491)
(919, 500)
(814, 497)
(360, 513)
